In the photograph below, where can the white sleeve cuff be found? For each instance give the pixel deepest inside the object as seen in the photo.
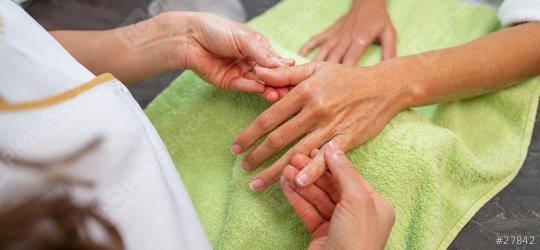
(518, 11)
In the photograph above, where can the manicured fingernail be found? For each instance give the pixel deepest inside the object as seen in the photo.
(286, 62)
(302, 179)
(236, 149)
(246, 166)
(256, 184)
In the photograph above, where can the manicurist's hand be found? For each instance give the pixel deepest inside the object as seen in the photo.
(347, 104)
(346, 40)
(341, 210)
(224, 53)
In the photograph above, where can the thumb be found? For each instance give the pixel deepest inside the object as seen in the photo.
(348, 179)
(285, 76)
(258, 48)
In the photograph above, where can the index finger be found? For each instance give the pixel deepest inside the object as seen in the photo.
(266, 122)
(285, 76)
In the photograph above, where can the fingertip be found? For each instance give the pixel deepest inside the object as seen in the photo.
(256, 185)
(287, 61)
(236, 149)
(302, 179)
(246, 85)
(271, 94)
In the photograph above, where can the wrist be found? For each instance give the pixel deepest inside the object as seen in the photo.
(406, 79)
(179, 29)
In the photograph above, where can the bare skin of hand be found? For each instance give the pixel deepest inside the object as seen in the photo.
(221, 51)
(353, 104)
(224, 53)
(346, 104)
(346, 40)
(340, 210)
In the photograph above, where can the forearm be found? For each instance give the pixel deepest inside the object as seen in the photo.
(490, 63)
(130, 53)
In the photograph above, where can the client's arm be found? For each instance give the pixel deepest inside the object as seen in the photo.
(352, 105)
(220, 51)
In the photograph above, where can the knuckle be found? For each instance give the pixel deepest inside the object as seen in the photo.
(275, 141)
(264, 121)
(303, 91)
(319, 108)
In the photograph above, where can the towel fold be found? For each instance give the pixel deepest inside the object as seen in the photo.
(436, 165)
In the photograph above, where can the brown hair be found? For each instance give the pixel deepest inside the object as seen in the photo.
(51, 219)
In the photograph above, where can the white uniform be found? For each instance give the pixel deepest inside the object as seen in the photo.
(51, 106)
(514, 11)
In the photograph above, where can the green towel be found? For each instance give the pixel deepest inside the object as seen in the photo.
(436, 165)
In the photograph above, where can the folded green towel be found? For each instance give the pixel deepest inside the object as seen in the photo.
(436, 165)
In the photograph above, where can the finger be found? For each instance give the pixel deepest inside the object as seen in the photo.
(388, 42)
(356, 50)
(346, 175)
(282, 92)
(300, 161)
(246, 85)
(266, 122)
(272, 173)
(250, 76)
(308, 213)
(277, 140)
(312, 194)
(285, 76)
(338, 52)
(324, 50)
(314, 152)
(312, 172)
(311, 44)
(254, 45)
(325, 183)
(270, 94)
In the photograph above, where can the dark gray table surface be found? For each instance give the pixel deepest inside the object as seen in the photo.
(513, 212)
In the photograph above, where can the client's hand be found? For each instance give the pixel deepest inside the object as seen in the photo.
(345, 103)
(224, 53)
(341, 210)
(346, 40)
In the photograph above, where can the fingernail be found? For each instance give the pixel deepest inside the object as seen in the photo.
(302, 179)
(276, 62)
(236, 149)
(332, 148)
(246, 166)
(256, 184)
(286, 61)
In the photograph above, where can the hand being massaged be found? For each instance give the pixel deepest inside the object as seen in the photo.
(347, 104)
